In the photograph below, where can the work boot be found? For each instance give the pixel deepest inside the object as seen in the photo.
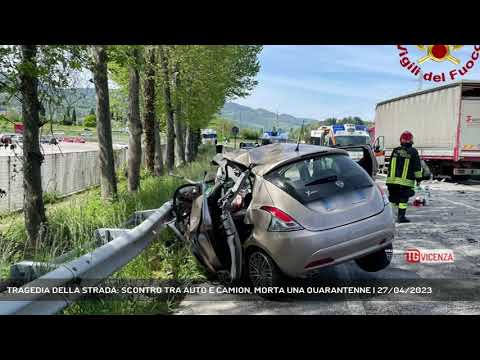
(401, 216)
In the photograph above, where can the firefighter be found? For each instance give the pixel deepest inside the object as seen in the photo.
(404, 169)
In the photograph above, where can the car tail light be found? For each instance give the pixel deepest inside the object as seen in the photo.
(280, 220)
(384, 196)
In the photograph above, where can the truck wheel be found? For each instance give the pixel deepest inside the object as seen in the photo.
(376, 261)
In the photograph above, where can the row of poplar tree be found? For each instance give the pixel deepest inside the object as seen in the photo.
(175, 89)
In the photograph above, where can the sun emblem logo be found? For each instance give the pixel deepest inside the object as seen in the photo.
(439, 53)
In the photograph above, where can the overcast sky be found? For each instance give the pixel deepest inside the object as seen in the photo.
(322, 81)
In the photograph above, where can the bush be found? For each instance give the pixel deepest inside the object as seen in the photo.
(51, 197)
(249, 134)
(66, 121)
(14, 116)
(90, 121)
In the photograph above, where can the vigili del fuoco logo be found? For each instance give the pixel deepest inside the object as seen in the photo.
(438, 54)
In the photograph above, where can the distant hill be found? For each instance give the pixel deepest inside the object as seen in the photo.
(83, 99)
(245, 116)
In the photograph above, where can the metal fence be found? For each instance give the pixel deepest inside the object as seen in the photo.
(62, 173)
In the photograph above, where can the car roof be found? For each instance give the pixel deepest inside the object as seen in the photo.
(268, 157)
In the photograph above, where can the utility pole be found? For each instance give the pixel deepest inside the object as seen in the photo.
(276, 123)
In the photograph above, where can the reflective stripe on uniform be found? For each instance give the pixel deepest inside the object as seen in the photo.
(402, 182)
(402, 205)
(405, 168)
(418, 174)
(393, 168)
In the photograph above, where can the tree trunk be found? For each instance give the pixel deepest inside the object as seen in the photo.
(197, 139)
(179, 128)
(134, 153)
(189, 149)
(179, 141)
(158, 171)
(170, 161)
(33, 206)
(108, 179)
(149, 113)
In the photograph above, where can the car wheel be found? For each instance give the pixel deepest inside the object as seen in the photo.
(262, 270)
(376, 261)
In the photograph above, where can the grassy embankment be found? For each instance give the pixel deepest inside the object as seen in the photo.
(73, 221)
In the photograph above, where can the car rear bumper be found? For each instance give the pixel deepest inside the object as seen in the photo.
(297, 253)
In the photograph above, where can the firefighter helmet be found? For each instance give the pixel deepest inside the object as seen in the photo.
(406, 137)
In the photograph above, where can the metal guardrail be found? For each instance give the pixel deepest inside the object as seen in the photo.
(90, 269)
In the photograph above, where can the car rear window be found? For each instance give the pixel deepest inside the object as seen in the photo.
(320, 177)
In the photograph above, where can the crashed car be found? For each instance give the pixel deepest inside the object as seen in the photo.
(286, 209)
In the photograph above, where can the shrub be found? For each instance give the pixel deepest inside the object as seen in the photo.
(67, 121)
(51, 197)
(249, 134)
(90, 120)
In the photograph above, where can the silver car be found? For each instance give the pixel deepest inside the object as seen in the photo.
(286, 209)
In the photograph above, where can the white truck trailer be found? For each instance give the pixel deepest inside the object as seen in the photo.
(445, 122)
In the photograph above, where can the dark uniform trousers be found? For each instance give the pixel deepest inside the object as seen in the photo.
(399, 195)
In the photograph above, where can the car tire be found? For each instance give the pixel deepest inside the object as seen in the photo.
(263, 272)
(376, 261)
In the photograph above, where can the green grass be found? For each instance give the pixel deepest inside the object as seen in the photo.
(165, 259)
(51, 197)
(72, 221)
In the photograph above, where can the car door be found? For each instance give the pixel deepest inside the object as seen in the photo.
(212, 232)
(234, 179)
(364, 156)
(379, 149)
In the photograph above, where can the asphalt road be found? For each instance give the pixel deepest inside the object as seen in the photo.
(450, 220)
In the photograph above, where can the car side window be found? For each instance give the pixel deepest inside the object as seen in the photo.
(298, 172)
(292, 173)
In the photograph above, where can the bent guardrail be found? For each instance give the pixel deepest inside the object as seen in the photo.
(91, 268)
